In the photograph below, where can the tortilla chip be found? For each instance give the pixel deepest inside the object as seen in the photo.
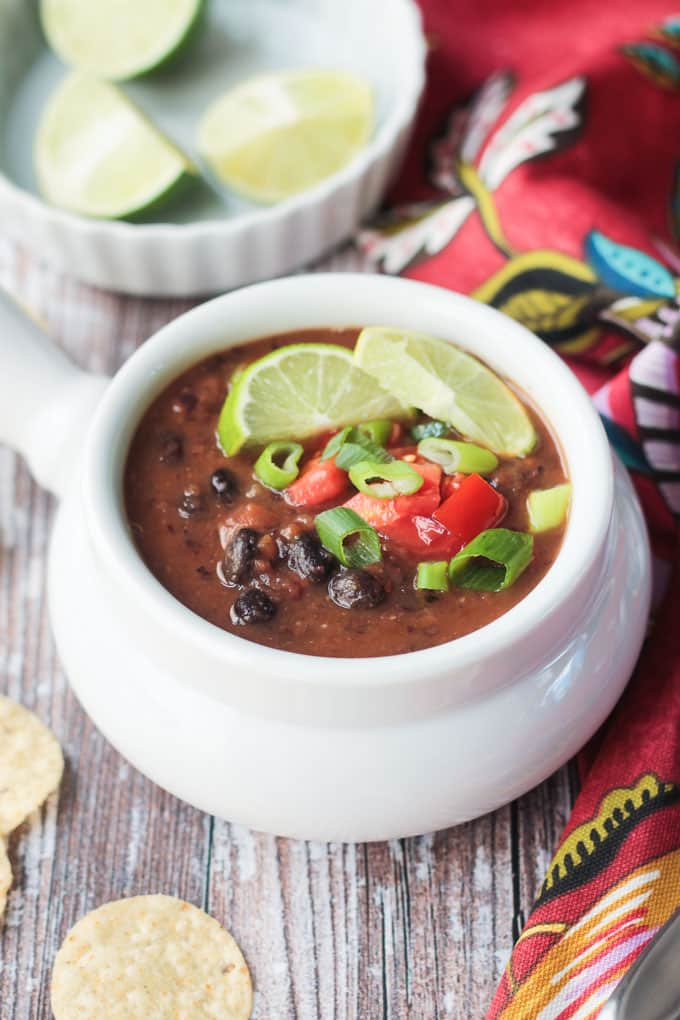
(31, 764)
(150, 956)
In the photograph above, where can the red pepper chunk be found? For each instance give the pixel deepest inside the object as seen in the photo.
(424, 536)
(471, 509)
(383, 513)
(320, 482)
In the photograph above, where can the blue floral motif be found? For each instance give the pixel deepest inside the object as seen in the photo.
(627, 269)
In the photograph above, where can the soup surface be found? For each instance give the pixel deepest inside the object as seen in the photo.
(237, 553)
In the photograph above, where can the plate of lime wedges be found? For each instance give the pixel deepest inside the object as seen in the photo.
(189, 147)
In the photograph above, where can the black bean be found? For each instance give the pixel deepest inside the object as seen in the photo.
(356, 589)
(239, 554)
(172, 449)
(308, 558)
(252, 606)
(224, 484)
(192, 502)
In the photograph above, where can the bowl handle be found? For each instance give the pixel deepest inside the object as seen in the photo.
(46, 402)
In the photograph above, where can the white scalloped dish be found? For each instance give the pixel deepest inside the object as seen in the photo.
(214, 240)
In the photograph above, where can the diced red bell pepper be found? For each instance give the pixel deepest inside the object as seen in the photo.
(471, 509)
(320, 482)
(382, 513)
(424, 536)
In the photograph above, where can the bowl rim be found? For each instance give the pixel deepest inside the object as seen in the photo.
(399, 119)
(168, 353)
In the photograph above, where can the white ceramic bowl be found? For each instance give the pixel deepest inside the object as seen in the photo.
(347, 749)
(217, 242)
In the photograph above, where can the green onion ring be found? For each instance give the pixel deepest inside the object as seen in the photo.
(492, 561)
(281, 474)
(378, 430)
(433, 576)
(385, 481)
(454, 456)
(348, 537)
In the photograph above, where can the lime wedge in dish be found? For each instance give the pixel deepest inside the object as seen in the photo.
(449, 385)
(96, 154)
(299, 391)
(278, 134)
(117, 39)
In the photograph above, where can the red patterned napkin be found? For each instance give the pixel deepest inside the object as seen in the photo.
(545, 180)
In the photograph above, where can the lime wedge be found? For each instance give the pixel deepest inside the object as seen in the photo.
(117, 39)
(97, 155)
(279, 134)
(299, 391)
(447, 384)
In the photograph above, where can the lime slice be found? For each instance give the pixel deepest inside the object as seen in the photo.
(97, 155)
(299, 391)
(447, 384)
(279, 134)
(117, 39)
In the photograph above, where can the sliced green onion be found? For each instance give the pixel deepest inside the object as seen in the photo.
(385, 481)
(378, 430)
(433, 576)
(547, 508)
(429, 428)
(454, 456)
(349, 446)
(335, 442)
(492, 561)
(359, 449)
(348, 537)
(277, 465)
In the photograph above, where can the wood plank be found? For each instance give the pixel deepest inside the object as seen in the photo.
(411, 928)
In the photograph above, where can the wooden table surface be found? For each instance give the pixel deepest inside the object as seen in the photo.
(415, 928)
